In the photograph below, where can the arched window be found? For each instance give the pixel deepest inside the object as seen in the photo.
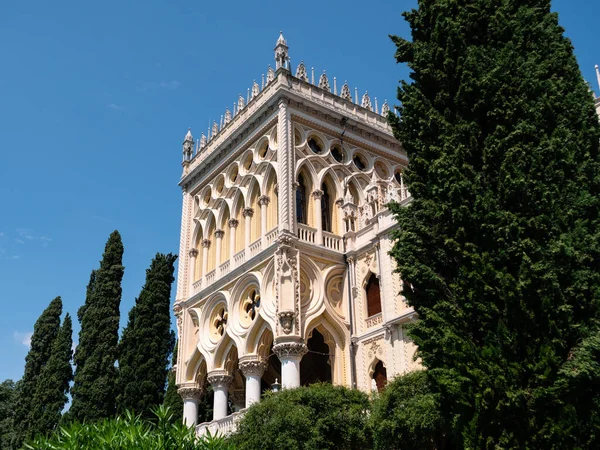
(315, 146)
(325, 209)
(301, 213)
(380, 376)
(373, 296)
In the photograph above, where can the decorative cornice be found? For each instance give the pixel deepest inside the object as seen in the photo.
(251, 365)
(247, 212)
(219, 379)
(290, 349)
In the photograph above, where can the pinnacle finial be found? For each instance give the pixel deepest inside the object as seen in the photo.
(598, 76)
(188, 136)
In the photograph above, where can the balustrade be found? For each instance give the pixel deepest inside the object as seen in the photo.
(272, 235)
(210, 277)
(197, 285)
(224, 268)
(306, 233)
(223, 427)
(255, 248)
(332, 241)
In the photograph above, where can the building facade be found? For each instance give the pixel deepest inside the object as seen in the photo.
(284, 274)
(598, 97)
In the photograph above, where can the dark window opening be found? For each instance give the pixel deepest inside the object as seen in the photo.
(301, 201)
(315, 366)
(325, 209)
(314, 146)
(373, 296)
(380, 376)
(337, 154)
(359, 162)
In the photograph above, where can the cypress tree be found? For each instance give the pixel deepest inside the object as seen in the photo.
(94, 388)
(172, 399)
(45, 331)
(53, 385)
(8, 400)
(147, 341)
(499, 248)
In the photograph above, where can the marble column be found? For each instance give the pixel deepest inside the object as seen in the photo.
(220, 381)
(192, 270)
(316, 195)
(253, 369)
(290, 354)
(191, 396)
(263, 201)
(219, 237)
(247, 213)
(205, 248)
(233, 224)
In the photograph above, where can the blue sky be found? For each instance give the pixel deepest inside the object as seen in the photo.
(96, 97)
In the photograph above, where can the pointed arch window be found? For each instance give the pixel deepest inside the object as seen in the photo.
(301, 213)
(380, 376)
(373, 296)
(325, 209)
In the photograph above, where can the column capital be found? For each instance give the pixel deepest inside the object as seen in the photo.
(252, 365)
(233, 223)
(219, 379)
(193, 252)
(318, 193)
(219, 234)
(290, 349)
(206, 243)
(247, 212)
(190, 392)
(339, 202)
(263, 200)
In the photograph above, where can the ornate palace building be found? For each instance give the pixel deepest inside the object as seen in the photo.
(285, 274)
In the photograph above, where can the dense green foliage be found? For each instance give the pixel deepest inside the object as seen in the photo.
(45, 330)
(173, 400)
(53, 385)
(318, 417)
(94, 390)
(8, 401)
(499, 248)
(129, 432)
(407, 415)
(147, 341)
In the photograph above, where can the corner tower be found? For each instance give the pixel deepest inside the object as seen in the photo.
(284, 272)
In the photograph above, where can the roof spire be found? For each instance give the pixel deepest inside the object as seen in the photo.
(282, 56)
(598, 76)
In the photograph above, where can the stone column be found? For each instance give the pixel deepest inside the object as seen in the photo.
(247, 213)
(318, 216)
(233, 223)
(219, 237)
(263, 201)
(191, 396)
(220, 381)
(285, 177)
(205, 247)
(192, 274)
(253, 369)
(290, 354)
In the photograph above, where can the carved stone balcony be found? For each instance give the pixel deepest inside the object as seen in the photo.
(332, 241)
(255, 248)
(306, 233)
(374, 320)
(272, 235)
(223, 426)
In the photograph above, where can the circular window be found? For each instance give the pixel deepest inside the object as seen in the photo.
(233, 174)
(359, 161)
(315, 146)
(381, 170)
(338, 154)
(263, 150)
(219, 321)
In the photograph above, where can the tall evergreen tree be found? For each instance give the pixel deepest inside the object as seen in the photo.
(172, 398)
(94, 389)
(45, 331)
(499, 248)
(53, 385)
(8, 400)
(147, 341)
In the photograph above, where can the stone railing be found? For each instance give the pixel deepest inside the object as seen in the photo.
(210, 277)
(224, 268)
(239, 258)
(306, 233)
(332, 241)
(197, 285)
(223, 426)
(272, 235)
(255, 248)
(374, 320)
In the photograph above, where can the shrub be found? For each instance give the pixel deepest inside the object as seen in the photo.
(318, 417)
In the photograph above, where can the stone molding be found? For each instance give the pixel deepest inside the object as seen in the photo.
(219, 234)
(193, 253)
(251, 365)
(233, 223)
(219, 379)
(264, 200)
(248, 212)
(290, 349)
(190, 392)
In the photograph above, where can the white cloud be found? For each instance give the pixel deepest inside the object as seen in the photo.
(171, 85)
(115, 107)
(23, 338)
(25, 233)
(19, 241)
